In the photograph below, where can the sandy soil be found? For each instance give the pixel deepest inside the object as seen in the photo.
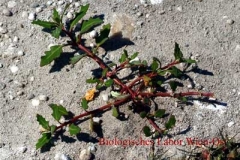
(207, 30)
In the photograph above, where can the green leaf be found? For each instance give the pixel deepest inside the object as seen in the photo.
(58, 111)
(173, 85)
(147, 131)
(44, 24)
(73, 129)
(175, 71)
(115, 112)
(159, 83)
(171, 122)
(92, 80)
(154, 65)
(104, 72)
(55, 52)
(79, 16)
(103, 37)
(144, 62)
(76, 58)
(115, 94)
(159, 113)
(108, 83)
(177, 52)
(42, 121)
(56, 32)
(56, 17)
(156, 59)
(53, 128)
(189, 61)
(84, 104)
(124, 56)
(43, 140)
(134, 55)
(89, 24)
(143, 114)
(99, 86)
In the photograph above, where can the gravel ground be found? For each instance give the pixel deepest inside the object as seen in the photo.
(207, 30)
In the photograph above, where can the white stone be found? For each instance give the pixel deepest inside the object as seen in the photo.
(96, 119)
(230, 124)
(105, 97)
(31, 16)
(14, 69)
(39, 9)
(20, 53)
(15, 39)
(84, 155)
(61, 156)
(60, 10)
(62, 120)
(69, 15)
(93, 34)
(22, 149)
(7, 12)
(230, 21)
(215, 107)
(35, 102)
(189, 86)
(49, 3)
(11, 4)
(91, 147)
(156, 1)
(42, 97)
(60, 3)
(180, 9)
(91, 45)
(24, 14)
(31, 78)
(3, 30)
(77, 4)
(61, 102)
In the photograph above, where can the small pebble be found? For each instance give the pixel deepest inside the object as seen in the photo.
(93, 34)
(35, 102)
(3, 30)
(11, 4)
(60, 10)
(230, 124)
(39, 9)
(105, 97)
(77, 4)
(61, 102)
(20, 93)
(69, 15)
(31, 96)
(96, 119)
(7, 12)
(31, 78)
(230, 21)
(91, 148)
(24, 14)
(49, 3)
(180, 9)
(14, 69)
(15, 39)
(85, 155)
(62, 120)
(147, 15)
(139, 14)
(189, 86)
(61, 156)
(31, 16)
(22, 149)
(20, 53)
(60, 3)
(91, 45)
(139, 23)
(43, 97)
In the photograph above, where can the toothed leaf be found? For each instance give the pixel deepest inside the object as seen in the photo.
(147, 131)
(171, 122)
(55, 52)
(79, 16)
(58, 111)
(73, 129)
(56, 16)
(44, 24)
(84, 104)
(87, 25)
(159, 113)
(42, 121)
(43, 140)
(108, 83)
(177, 52)
(103, 37)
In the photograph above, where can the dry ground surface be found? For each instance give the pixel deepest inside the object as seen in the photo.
(208, 30)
